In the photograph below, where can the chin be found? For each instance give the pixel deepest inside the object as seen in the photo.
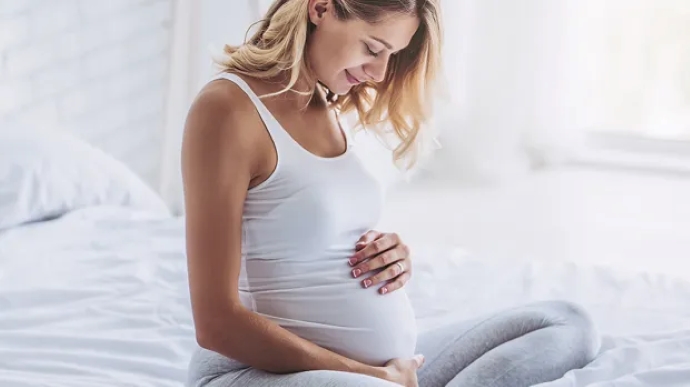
(343, 90)
(338, 86)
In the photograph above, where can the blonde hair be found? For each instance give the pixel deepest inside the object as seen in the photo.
(401, 102)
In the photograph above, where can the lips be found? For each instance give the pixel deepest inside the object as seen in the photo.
(351, 78)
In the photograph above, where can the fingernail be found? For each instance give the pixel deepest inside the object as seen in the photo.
(352, 261)
(384, 290)
(356, 273)
(367, 283)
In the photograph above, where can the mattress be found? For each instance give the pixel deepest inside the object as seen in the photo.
(99, 297)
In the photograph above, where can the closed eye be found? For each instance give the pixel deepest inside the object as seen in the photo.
(369, 51)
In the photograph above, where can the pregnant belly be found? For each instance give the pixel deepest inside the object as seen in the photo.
(345, 318)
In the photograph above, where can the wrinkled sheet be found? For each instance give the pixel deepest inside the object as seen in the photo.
(99, 298)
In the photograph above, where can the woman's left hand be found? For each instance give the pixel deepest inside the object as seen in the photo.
(376, 250)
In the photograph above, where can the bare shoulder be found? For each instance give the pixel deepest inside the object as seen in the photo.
(224, 129)
(222, 111)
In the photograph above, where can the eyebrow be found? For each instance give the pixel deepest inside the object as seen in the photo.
(388, 45)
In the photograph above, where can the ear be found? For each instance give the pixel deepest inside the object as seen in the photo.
(318, 10)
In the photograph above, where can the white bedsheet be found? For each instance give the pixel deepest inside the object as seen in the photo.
(99, 298)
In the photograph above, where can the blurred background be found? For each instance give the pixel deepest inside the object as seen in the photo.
(565, 131)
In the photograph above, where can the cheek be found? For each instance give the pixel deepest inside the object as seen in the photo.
(336, 55)
(350, 54)
(343, 61)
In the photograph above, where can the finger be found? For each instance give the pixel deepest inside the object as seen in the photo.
(419, 359)
(395, 285)
(391, 270)
(367, 238)
(381, 261)
(370, 236)
(378, 246)
(407, 264)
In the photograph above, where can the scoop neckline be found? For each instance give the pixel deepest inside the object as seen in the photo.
(348, 144)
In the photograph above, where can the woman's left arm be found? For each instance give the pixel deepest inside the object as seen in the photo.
(376, 250)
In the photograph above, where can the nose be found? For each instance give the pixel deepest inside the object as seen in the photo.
(376, 70)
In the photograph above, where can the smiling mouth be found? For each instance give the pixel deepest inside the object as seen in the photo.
(352, 78)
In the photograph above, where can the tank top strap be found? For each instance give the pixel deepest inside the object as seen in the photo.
(280, 137)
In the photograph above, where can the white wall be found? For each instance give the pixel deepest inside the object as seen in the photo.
(95, 67)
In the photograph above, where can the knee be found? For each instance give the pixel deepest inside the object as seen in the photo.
(580, 322)
(206, 365)
(570, 311)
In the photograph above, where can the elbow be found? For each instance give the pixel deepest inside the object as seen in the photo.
(210, 336)
(212, 331)
(205, 339)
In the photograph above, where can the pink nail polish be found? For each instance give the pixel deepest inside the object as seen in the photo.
(367, 283)
(356, 273)
(352, 261)
(384, 290)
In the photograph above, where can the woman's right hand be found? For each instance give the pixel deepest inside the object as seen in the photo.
(403, 371)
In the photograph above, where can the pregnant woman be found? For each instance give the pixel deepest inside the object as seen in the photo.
(290, 285)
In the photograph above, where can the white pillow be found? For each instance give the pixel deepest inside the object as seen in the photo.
(48, 173)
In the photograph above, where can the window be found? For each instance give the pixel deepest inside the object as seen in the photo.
(636, 56)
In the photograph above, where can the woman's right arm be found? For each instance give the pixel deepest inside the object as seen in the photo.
(219, 161)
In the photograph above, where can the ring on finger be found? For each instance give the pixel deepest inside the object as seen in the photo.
(400, 265)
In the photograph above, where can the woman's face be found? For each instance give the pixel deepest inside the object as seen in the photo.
(345, 53)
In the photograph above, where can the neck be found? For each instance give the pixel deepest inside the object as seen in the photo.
(307, 91)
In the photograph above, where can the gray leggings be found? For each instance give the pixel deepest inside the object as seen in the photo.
(524, 346)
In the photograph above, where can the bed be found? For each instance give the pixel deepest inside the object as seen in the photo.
(93, 284)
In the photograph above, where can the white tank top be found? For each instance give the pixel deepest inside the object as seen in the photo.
(299, 228)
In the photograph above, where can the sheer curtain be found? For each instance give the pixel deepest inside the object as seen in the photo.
(511, 67)
(201, 28)
(181, 85)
